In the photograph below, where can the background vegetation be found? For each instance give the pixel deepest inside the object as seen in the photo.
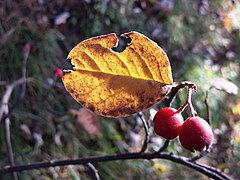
(201, 38)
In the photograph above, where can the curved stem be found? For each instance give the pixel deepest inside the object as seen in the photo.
(146, 129)
(199, 156)
(188, 102)
(177, 87)
(181, 109)
(215, 170)
(9, 145)
(94, 170)
(164, 146)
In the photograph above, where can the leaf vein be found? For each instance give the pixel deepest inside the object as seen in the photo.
(143, 60)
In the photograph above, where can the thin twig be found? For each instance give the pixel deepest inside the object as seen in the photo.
(199, 156)
(206, 101)
(4, 110)
(94, 159)
(146, 129)
(178, 87)
(188, 103)
(94, 170)
(9, 146)
(164, 146)
(6, 96)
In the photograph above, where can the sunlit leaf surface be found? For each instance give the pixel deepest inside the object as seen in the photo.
(117, 84)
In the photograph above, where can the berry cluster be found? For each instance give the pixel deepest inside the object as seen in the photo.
(194, 133)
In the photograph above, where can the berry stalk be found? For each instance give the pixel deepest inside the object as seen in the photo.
(188, 103)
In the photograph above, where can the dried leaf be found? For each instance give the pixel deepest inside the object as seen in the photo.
(225, 85)
(87, 120)
(118, 84)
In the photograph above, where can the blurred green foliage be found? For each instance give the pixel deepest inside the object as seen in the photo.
(201, 39)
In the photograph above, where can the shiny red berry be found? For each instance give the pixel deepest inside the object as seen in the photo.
(196, 134)
(167, 123)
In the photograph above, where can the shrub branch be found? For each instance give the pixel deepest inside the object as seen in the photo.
(204, 169)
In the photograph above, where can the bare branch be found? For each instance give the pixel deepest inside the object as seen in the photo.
(94, 159)
(9, 145)
(4, 109)
(215, 170)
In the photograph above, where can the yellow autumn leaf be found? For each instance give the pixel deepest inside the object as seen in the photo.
(118, 84)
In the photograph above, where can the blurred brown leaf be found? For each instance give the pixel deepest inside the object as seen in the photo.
(87, 120)
(225, 85)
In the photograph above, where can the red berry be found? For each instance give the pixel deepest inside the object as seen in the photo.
(196, 134)
(58, 73)
(167, 123)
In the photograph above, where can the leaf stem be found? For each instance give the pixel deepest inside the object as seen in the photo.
(188, 102)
